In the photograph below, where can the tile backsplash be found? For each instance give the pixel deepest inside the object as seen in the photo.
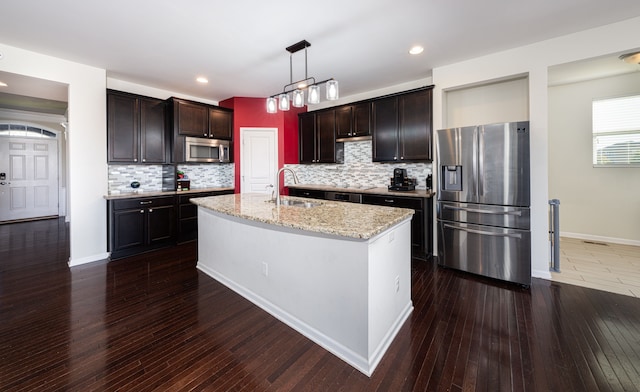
(357, 170)
(150, 176)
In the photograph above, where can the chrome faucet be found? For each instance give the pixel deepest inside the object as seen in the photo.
(277, 190)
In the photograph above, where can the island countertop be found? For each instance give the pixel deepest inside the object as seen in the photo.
(335, 218)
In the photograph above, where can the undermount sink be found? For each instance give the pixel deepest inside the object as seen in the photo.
(298, 203)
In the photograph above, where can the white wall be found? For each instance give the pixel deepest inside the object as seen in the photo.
(122, 85)
(596, 203)
(495, 102)
(373, 94)
(534, 60)
(87, 152)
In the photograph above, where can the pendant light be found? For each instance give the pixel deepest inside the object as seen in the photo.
(298, 98)
(297, 88)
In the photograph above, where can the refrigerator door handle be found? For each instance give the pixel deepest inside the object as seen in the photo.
(474, 163)
(482, 232)
(518, 213)
(480, 162)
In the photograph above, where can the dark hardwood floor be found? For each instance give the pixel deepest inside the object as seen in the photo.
(154, 322)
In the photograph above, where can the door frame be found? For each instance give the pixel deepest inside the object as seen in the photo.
(61, 141)
(244, 132)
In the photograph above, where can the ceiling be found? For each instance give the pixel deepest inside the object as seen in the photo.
(240, 45)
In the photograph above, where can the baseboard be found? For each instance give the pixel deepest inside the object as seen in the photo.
(597, 238)
(359, 362)
(88, 259)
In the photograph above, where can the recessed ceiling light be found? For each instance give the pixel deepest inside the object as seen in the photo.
(631, 58)
(3, 84)
(202, 79)
(416, 49)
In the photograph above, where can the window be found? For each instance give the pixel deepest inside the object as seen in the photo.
(20, 130)
(616, 132)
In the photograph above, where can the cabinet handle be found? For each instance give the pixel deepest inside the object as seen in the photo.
(135, 159)
(150, 209)
(146, 202)
(395, 158)
(401, 158)
(144, 160)
(205, 135)
(142, 211)
(389, 201)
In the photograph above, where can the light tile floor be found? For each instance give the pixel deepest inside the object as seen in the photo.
(602, 266)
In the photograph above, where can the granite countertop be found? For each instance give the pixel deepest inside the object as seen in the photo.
(370, 190)
(132, 194)
(337, 218)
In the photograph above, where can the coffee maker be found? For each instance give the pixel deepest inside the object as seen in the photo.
(400, 181)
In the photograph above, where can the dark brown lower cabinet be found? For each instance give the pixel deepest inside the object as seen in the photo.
(188, 215)
(421, 223)
(141, 224)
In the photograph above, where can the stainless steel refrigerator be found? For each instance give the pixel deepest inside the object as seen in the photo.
(483, 200)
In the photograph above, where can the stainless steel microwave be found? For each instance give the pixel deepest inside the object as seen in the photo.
(206, 150)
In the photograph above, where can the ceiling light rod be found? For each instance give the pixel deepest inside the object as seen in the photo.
(298, 87)
(293, 86)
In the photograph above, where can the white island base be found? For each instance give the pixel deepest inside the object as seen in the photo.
(349, 295)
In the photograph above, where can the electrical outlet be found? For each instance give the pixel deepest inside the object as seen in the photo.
(265, 269)
(397, 283)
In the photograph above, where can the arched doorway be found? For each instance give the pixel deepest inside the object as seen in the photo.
(29, 172)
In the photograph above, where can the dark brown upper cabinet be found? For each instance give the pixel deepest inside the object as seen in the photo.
(220, 123)
(136, 129)
(190, 118)
(353, 120)
(402, 127)
(201, 120)
(317, 131)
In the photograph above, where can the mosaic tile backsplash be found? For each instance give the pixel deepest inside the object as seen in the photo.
(357, 170)
(150, 176)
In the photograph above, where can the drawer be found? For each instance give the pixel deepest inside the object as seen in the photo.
(414, 203)
(184, 199)
(127, 204)
(188, 211)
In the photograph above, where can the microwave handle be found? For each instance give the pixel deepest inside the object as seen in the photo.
(221, 153)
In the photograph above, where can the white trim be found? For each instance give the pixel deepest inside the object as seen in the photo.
(243, 130)
(88, 259)
(598, 238)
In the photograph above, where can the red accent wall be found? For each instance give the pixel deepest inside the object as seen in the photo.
(251, 112)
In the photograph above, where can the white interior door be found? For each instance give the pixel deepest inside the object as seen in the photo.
(258, 159)
(28, 178)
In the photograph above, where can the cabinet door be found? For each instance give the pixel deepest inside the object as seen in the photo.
(414, 116)
(343, 121)
(326, 136)
(160, 224)
(361, 114)
(152, 131)
(128, 229)
(417, 221)
(307, 131)
(192, 119)
(220, 124)
(122, 128)
(385, 130)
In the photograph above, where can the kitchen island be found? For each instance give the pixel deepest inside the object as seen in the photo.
(338, 273)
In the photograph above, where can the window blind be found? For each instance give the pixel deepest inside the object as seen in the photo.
(616, 131)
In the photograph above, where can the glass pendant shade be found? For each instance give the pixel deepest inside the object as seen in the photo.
(272, 106)
(298, 98)
(314, 94)
(284, 102)
(332, 90)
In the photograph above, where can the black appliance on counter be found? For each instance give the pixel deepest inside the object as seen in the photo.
(400, 181)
